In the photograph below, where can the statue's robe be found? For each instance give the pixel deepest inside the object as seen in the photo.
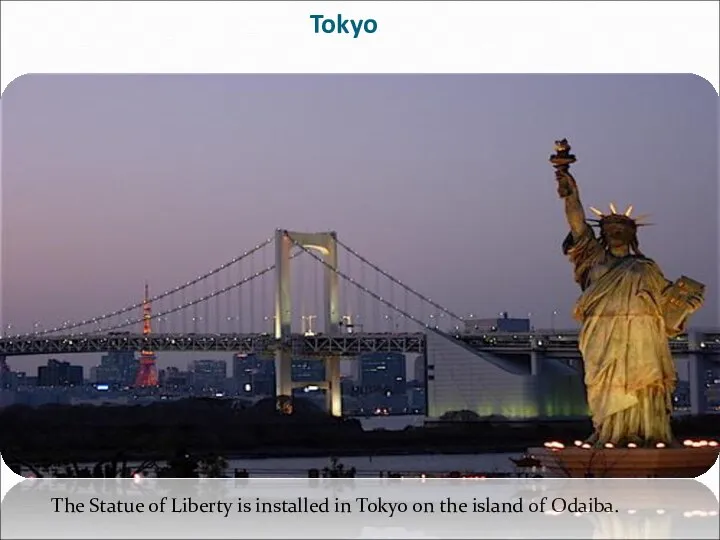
(629, 371)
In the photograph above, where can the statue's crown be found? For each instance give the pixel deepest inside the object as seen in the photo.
(614, 216)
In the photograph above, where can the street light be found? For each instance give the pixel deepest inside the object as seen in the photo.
(195, 321)
(552, 320)
(308, 331)
(270, 321)
(346, 321)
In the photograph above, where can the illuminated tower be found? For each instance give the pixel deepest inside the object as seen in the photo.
(147, 371)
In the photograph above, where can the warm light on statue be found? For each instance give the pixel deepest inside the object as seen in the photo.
(629, 371)
(628, 311)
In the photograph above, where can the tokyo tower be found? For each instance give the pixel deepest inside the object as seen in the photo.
(147, 371)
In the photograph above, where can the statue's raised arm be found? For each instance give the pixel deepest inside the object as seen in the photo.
(627, 310)
(581, 245)
(567, 188)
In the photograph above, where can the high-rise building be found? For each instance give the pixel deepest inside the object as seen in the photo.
(174, 379)
(4, 374)
(116, 368)
(504, 323)
(209, 375)
(308, 370)
(382, 372)
(419, 370)
(58, 373)
(256, 376)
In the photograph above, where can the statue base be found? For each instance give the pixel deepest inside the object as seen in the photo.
(574, 462)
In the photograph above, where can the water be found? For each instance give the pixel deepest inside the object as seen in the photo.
(390, 423)
(372, 466)
(368, 466)
(365, 466)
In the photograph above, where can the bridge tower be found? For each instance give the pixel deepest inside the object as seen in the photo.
(147, 370)
(326, 244)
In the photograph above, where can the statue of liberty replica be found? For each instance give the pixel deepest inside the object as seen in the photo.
(627, 311)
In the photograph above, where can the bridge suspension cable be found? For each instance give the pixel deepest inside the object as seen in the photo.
(400, 283)
(191, 303)
(137, 305)
(365, 289)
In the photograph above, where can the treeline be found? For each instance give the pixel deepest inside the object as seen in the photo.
(211, 426)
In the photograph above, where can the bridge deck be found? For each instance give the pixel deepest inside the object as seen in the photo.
(557, 344)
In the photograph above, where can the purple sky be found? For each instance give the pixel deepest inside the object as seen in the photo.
(442, 180)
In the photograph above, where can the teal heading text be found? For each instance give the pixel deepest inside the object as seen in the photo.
(341, 25)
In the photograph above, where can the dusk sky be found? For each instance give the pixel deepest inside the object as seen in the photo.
(443, 181)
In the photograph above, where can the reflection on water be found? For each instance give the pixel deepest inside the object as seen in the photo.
(365, 466)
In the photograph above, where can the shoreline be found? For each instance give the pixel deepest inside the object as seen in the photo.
(284, 453)
(389, 452)
(204, 429)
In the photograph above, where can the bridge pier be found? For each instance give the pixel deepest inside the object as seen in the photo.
(536, 358)
(536, 365)
(283, 373)
(333, 394)
(697, 365)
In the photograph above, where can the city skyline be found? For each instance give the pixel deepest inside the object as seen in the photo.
(441, 180)
(182, 361)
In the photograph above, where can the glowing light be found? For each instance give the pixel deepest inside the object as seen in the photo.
(578, 443)
(586, 445)
(703, 443)
(687, 442)
(609, 445)
(632, 445)
(660, 445)
(713, 443)
(660, 511)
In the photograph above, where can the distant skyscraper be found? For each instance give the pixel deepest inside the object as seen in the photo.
(500, 324)
(256, 376)
(379, 372)
(308, 370)
(4, 374)
(419, 369)
(209, 375)
(58, 373)
(175, 379)
(116, 368)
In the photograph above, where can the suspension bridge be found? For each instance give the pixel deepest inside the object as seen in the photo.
(271, 301)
